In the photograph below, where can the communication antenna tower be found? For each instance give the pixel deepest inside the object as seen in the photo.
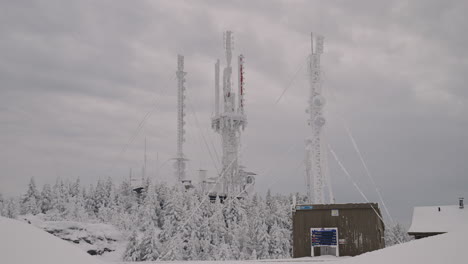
(229, 121)
(180, 159)
(144, 162)
(316, 146)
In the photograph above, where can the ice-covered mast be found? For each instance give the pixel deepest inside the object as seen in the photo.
(180, 157)
(316, 145)
(229, 121)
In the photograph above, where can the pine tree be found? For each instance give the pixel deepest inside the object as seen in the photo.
(263, 246)
(46, 198)
(133, 252)
(150, 245)
(59, 198)
(396, 235)
(11, 208)
(30, 203)
(125, 197)
(75, 207)
(150, 210)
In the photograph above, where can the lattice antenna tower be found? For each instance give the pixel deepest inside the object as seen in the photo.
(229, 121)
(144, 162)
(316, 146)
(180, 159)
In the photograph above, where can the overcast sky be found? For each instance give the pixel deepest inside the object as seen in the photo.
(77, 77)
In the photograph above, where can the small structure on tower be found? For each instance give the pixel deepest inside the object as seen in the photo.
(229, 121)
(180, 159)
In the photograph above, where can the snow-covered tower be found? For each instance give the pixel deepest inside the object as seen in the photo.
(229, 120)
(316, 146)
(180, 159)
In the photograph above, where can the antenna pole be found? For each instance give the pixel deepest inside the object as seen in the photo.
(180, 157)
(217, 88)
(316, 148)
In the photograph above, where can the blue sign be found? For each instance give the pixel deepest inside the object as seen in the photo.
(323, 237)
(304, 207)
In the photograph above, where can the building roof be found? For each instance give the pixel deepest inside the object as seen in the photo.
(428, 219)
(336, 206)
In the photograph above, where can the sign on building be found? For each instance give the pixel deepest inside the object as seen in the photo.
(324, 237)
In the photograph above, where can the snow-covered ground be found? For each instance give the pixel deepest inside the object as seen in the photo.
(22, 243)
(94, 238)
(446, 248)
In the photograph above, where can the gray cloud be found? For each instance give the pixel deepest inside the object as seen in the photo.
(77, 78)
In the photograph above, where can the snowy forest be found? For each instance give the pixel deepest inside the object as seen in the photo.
(167, 223)
(171, 223)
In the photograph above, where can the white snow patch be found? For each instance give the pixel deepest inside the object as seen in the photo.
(102, 239)
(446, 248)
(430, 219)
(22, 243)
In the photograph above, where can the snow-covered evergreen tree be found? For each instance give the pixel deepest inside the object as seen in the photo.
(150, 210)
(31, 202)
(396, 235)
(133, 251)
(150, 244)
(170, 223)
(11, 208)
(46, 198)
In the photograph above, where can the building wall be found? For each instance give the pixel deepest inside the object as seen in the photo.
(358, 225)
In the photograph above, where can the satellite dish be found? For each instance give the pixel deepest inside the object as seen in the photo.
(318, 101)
(319, 121)
(250, 180)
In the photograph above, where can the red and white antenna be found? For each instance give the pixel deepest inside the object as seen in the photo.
(241, 84)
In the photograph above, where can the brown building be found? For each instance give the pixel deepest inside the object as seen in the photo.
(359, 229)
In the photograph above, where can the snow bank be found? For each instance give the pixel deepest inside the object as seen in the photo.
(21, 243)
(94, 238)
(446, 248)
(432, 220)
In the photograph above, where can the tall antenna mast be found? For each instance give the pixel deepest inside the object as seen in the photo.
(144, 162)
(240, 82)
(316, 148)
(217, 88)
(180, 157)
(229, 123)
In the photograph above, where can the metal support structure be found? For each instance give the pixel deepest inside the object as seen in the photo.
(144, 162)
(180, 159)
(316, 148)
(229, 124)
(217, 88)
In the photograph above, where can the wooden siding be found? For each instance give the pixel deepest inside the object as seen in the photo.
(357, 224)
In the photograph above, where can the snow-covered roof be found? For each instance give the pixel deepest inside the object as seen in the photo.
(428, 219)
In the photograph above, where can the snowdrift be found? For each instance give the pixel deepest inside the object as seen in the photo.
(445, 248)
(21, 243)
(99, 239)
